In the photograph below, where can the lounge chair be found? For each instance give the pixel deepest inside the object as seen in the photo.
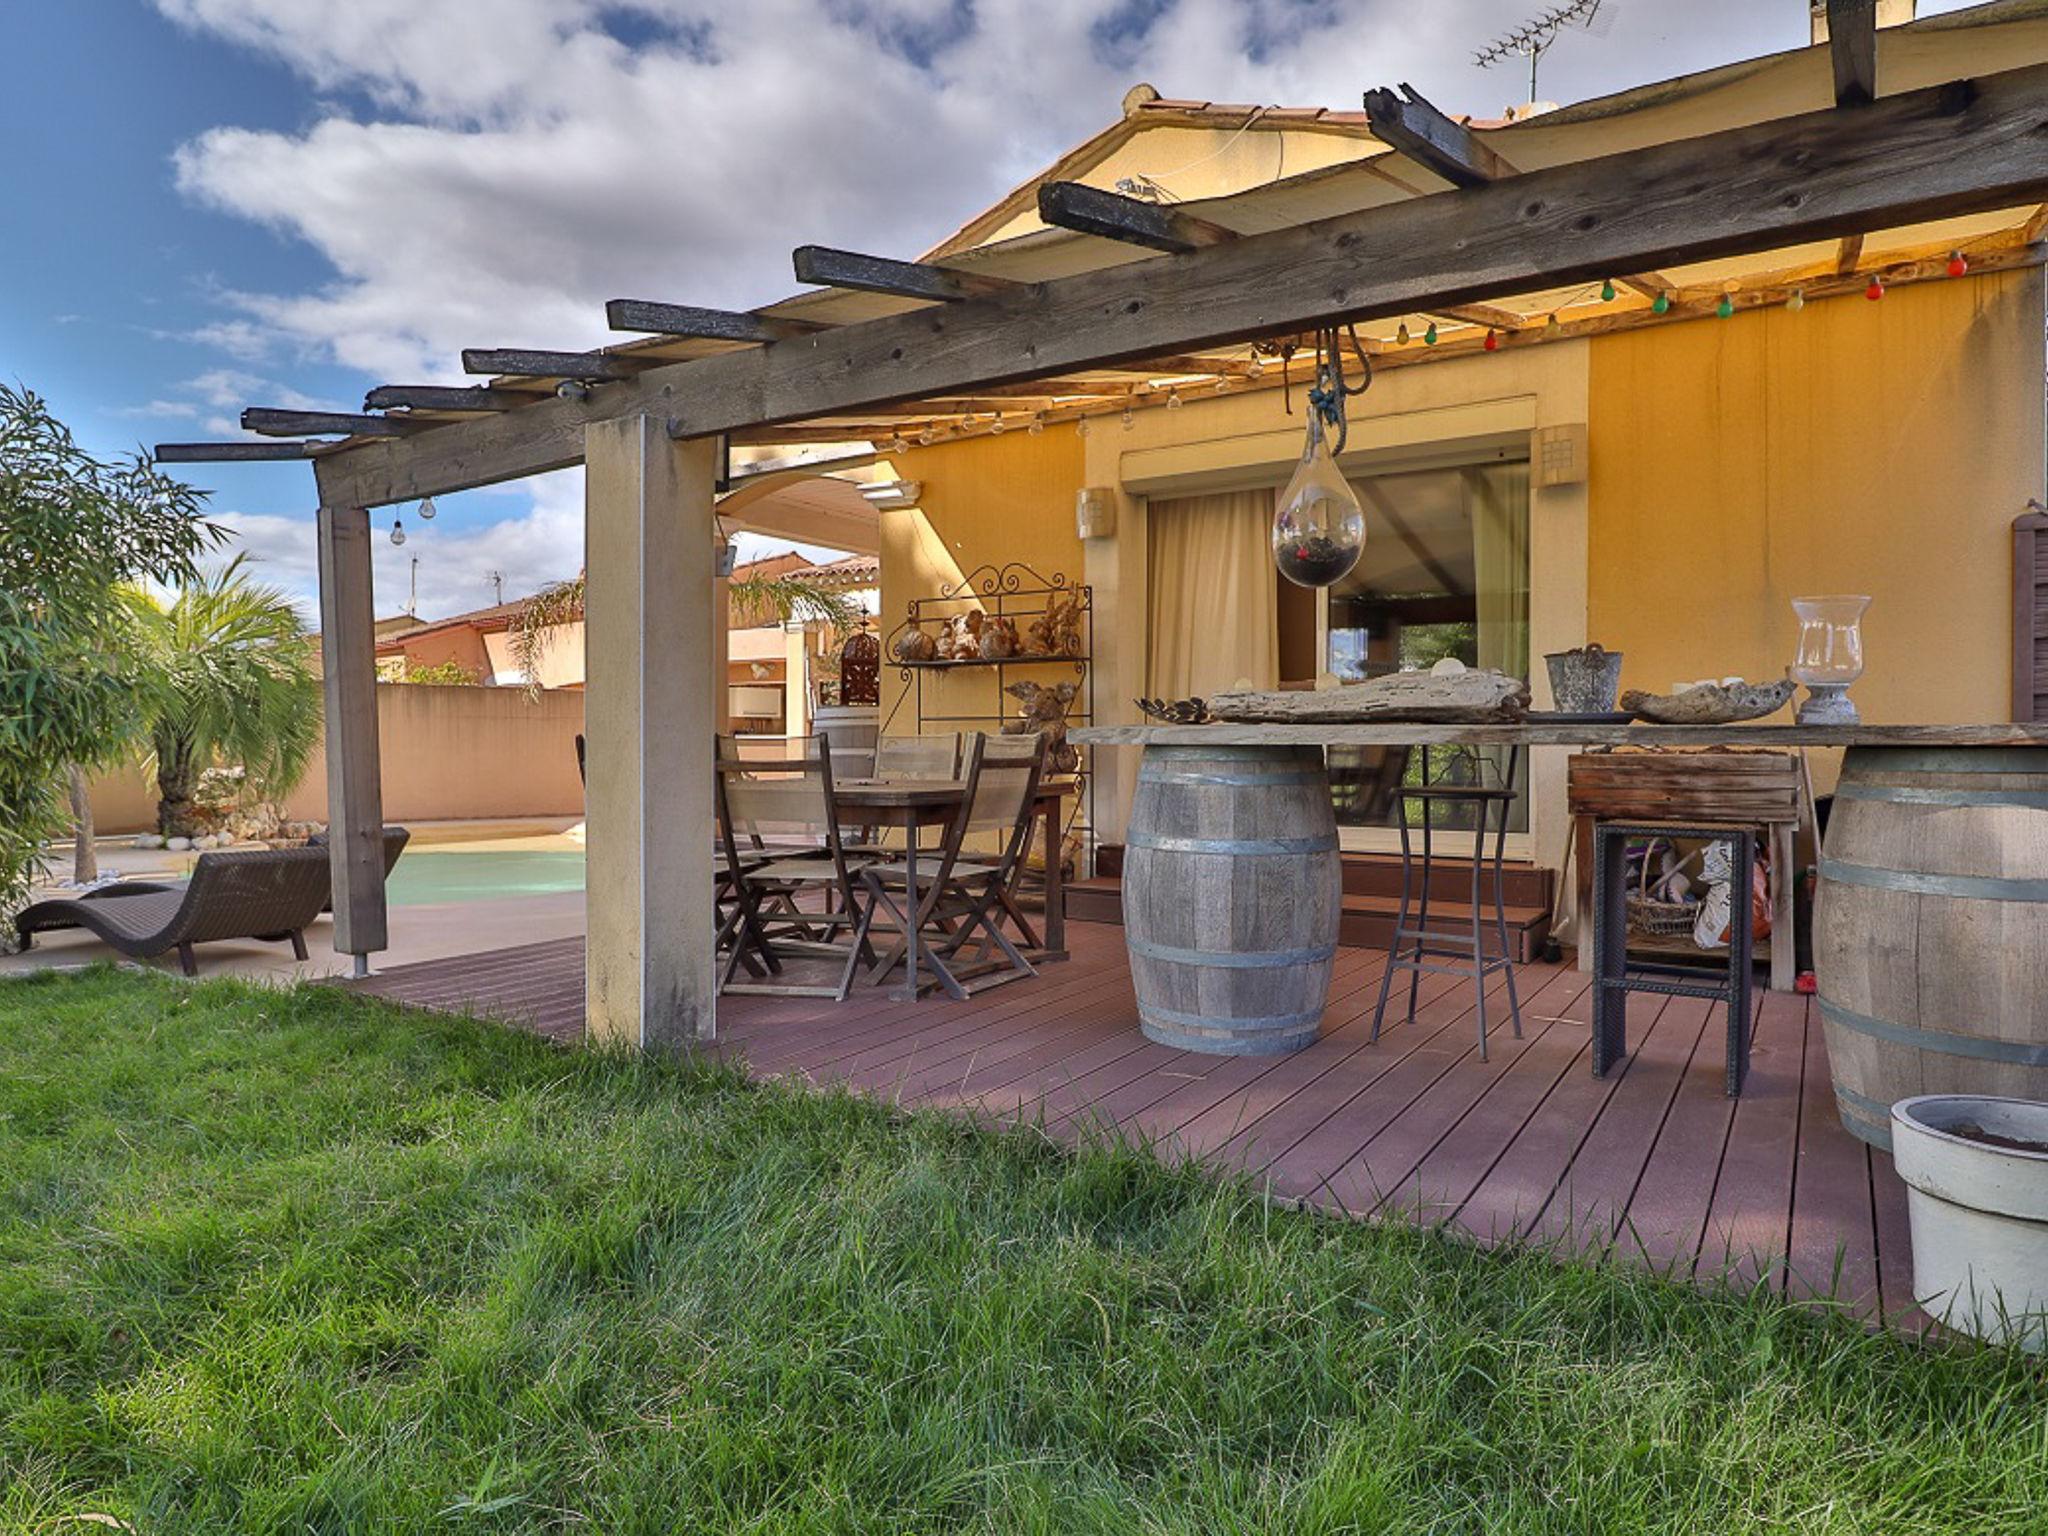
(270, 894)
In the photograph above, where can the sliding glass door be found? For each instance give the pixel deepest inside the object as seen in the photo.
(1445, 573)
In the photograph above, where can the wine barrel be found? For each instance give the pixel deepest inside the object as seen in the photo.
(1232, 897)
(1931, 929)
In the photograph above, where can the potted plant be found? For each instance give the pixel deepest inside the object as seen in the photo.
(1976, 1172)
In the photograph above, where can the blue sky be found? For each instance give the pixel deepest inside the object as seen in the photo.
(214, 203)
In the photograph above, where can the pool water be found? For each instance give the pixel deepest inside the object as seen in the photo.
(423, 878)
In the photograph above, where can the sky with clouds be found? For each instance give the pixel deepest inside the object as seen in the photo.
(213, 203)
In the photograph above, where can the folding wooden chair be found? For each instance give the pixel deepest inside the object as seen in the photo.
(961, 908)
(761, 802)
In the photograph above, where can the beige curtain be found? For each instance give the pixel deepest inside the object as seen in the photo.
(1498, 495)
(1214, 621)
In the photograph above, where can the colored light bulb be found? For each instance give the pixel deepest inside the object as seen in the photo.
(1876, 289)
(1957, 265)
(1726, 307)
(1429, 336)
(1661, 304)
(1796, 300)
(1492, 342)
(1401, 336)
(1607, 290)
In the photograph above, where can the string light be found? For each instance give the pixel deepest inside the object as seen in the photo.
(1876, 289)
(1661, 304)
(926, 438)
(1401, 336)
(997, 426)
(398, 530)
(1957, 264)
(1551, 329)
(426, 509)
(1796, 300)
(1128, 418)
(1429, 336)
(1726, 307)
(1223, 385)
(1080, 426)
(1606, 290)
(1037, 427)
(1492, 342)
(1173, 400)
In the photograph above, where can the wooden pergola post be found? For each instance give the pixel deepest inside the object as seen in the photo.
(650, 717)
(355, 794)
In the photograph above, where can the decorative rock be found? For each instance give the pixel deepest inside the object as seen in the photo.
(1720, 703)
(178, 844)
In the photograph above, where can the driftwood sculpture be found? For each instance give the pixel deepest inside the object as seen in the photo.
(1045, 711)
(1469, 697)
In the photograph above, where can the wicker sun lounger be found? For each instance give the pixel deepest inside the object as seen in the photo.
(270, 894)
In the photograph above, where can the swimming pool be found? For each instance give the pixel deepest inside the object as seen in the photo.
(479, 875)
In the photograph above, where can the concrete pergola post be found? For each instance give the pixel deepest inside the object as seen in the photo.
(355, 794)
(651, 716)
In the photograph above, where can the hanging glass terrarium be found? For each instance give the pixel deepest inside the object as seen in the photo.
(1318, 525)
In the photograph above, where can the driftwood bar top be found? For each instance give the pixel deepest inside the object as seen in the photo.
(1542, 733)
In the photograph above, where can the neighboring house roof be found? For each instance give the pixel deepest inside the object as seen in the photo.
(854, 571)
(492, 620)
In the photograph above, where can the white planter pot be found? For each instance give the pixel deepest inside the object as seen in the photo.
(1979, 1213)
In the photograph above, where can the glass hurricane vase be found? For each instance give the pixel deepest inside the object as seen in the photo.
(1830, 656)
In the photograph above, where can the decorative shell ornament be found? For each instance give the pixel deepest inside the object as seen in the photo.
(999, 640)
(1175, 711)
(914, 645)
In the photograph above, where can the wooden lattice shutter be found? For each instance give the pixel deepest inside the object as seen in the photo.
(2030, 614)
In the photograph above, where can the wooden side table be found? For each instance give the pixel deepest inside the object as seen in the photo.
(1717, 786)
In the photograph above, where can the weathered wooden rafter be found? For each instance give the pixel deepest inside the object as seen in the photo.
(1490, 315)
(689, 320)
(276, 423)
(1418, 130)
(1852, 45)
(437, 397)
(233, 453)
(1132, 220)
(829, 268)
(1961, 148)
(590, 367)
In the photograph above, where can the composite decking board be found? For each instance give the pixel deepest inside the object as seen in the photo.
(1653, 1141)
(1894, 1247)
(1591, 1137)
(1318, 1131)
(878, 1032)
(925, 1068)
(1471, 1147)
(937, 1037)
(1218, 1118)
(1749, 1226)
(1834, 1231)
(1666, 1219)
(1185, 1097)
(1383, 1164)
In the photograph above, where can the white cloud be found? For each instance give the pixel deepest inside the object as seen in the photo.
(540, 544)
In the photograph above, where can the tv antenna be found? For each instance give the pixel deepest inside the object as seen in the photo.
(497, 581)
(1534, 36)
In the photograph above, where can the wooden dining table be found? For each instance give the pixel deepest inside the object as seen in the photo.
(915, 805)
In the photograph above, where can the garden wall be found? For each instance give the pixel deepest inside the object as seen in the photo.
(449, 754)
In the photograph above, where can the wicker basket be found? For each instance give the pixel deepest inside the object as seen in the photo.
(1650, 913)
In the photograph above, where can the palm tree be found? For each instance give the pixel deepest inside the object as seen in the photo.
(231, 680)
(561, 602)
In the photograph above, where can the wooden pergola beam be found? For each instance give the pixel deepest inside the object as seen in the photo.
(523, 362)
(437, 397)
(1947, 150)
(1852, 44)
(829, 268)
(698, 324)
(1490, 315)
(1418, 130)
(276, 423)
(1112, 216)
(232, 453)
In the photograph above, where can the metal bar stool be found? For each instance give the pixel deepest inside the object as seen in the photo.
(1615, 975)
(1415, 946)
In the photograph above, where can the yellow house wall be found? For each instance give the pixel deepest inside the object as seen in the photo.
(984, 501)
(1852, 446)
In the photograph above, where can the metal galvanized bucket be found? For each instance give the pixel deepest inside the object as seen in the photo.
(1585, 681)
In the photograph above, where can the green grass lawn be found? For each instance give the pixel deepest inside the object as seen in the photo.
(294, 1262)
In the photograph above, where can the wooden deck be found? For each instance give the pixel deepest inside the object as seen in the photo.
(1653, 1164)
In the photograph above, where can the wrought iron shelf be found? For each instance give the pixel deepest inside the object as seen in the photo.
(1076, 662)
